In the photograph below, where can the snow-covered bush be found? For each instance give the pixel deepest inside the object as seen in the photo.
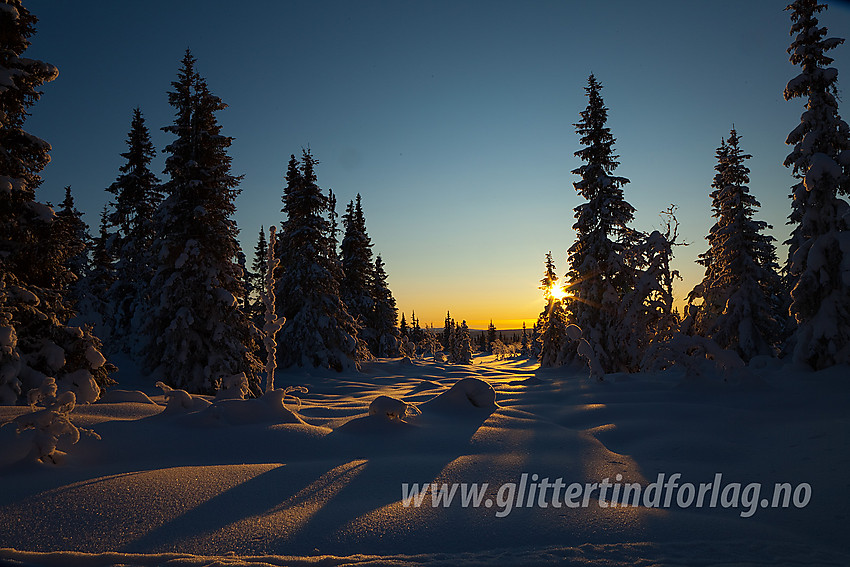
(429, 345)
(392, 408)
(50, 423)
(234, 387)
(693, 353)
(181, 401)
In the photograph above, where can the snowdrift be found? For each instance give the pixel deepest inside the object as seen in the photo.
(256, 482)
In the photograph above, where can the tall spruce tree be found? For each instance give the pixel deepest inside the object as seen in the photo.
(319, 331)
(36, 340)
(358, 271)
(599, 270)
(820, 243)
(739, 289)
(202, 339)
(387, 338)
(136, 196)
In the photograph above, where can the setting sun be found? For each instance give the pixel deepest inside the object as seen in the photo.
(557, 292)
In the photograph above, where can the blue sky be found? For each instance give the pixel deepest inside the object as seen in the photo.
(453, 119)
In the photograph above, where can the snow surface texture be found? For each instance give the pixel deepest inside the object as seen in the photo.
(197, 485)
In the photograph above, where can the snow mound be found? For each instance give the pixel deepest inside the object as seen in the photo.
(466, 394)
(126, 396)
(392, 408)
(270, 408)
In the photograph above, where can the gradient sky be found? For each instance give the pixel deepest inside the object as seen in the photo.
(453, 119)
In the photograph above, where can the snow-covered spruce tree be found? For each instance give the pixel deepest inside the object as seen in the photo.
(35, 338)
(356, 286)
(136, 196)
(819, 252)
(599, 272)
(384, 315)
(552, 321)
(200, 338)
(319, 332)
(464, 348)
(739, 309)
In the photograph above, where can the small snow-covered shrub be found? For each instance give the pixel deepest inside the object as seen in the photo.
(82, 383)
(50, 423)
(693, 353)
(181, 401)
(234, 387)
(392, 408)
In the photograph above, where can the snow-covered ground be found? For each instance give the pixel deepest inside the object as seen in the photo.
(248, 482)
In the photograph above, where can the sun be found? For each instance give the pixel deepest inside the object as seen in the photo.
(557, 292)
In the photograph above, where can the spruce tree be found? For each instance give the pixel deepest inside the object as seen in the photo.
(334, 225)
(36, 340)
(257, 274)
(358, 270)
(447, 332)
(739, 290)
(201, 338)
(319, 332)
(551, 323)
(820, 160)
(101, 275)
(402, 326)
(246, 283)
(387, 337)
(491, 336)
(599, 271)
(464, 348)
(74, 233)
(524, 347)
(136, 196)
(416, 333)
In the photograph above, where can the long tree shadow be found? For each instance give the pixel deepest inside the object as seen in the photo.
(251, 498)
(415, 454)
(282, 510)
